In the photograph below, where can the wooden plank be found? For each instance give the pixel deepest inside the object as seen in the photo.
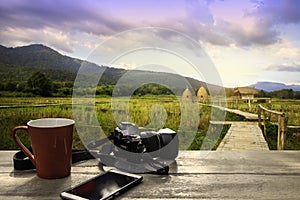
(242, 136)
(217, 186)
(194, 175)
(294, 127)
(271, 111)
(220, 122)
(247, 115)
(231, 122)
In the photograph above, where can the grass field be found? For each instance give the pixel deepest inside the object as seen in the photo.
(18, 111)
(291, 108)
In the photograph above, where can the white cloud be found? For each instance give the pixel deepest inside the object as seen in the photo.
(285, 50)
(48, 36)
(57, 20)
(293, 67)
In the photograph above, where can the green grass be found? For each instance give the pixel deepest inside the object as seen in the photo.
(292, 141)
(291, 108)
(18, 111)
(22, 110)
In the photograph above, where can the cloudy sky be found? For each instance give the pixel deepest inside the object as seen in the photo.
(246, 40)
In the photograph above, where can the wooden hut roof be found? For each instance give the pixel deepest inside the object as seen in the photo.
(245, 90)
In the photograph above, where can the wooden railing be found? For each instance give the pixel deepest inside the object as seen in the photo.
(282, 124)
(234, 102)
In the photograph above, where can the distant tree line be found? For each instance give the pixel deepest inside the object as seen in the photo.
(281, 94)
(38, 84)
(125, 90)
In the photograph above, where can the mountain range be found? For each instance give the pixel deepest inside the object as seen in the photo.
(19, 63)
(274, 86)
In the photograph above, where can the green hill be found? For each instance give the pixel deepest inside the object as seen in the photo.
(38, 56)
(18, 64)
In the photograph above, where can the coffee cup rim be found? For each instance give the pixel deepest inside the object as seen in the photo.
(56, 122)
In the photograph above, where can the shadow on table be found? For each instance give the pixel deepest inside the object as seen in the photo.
(30, 185)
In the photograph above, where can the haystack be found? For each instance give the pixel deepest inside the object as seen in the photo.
(187, 95)
(202, 95)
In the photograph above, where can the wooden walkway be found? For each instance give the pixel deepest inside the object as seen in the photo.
(244, 136)
(247, 115)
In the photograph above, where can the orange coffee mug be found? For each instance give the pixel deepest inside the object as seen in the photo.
(51, 141)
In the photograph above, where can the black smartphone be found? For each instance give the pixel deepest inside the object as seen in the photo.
(104, 186)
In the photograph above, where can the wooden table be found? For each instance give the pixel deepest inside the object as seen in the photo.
(195, 175)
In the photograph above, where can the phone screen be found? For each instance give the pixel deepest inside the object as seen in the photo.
(104, 186)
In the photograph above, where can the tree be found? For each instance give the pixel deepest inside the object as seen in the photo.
(262, 94)
(39, 84)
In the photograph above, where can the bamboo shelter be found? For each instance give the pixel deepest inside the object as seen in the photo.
(244, 93)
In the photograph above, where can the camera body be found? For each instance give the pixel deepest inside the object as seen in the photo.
(162, 144)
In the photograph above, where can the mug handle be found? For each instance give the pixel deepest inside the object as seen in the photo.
(21, 145)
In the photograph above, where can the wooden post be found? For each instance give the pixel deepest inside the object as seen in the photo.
(282, 129)
(279, 133)
(282, 125)
(265, 123)
(269, 107)
(249, 104)
(259, 115)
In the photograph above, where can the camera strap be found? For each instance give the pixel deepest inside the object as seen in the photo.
(147, 165)
(22, 162)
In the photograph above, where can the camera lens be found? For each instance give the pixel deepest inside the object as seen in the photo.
(166, 139)
(170, 146)
(150, 140)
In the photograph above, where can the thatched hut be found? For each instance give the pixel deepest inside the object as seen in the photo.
(244, 93)
(202, 95)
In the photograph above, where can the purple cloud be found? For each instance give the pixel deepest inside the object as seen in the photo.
(268, 15)
(86, 16)
(100, 18)
(93, 17)
(284, 68)
(261, 34)
(54, 22)
(277, 11)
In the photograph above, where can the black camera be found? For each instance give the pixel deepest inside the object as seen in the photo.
(137, 150)
(162, 144)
